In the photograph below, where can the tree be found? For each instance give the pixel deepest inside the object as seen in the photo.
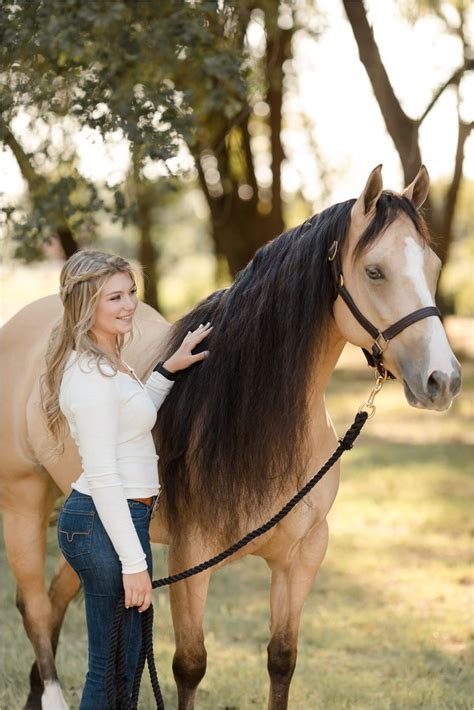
(403, 129)
(111, 66)
(245, 207)
(166, 73)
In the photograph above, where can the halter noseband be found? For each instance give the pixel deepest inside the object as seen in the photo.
(381, 338)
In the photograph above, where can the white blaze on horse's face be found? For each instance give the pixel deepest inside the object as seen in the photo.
(394, 277)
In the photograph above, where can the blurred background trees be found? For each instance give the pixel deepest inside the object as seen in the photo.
(196, 107)
(403, 129)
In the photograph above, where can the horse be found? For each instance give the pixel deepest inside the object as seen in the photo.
(241, 431)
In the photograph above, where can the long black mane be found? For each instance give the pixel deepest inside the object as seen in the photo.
(233, 430)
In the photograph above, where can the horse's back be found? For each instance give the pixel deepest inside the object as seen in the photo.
(24, 440)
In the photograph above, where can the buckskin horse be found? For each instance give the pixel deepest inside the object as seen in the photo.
(241, 431)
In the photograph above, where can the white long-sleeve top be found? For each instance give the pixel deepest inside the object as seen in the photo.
(110, 418)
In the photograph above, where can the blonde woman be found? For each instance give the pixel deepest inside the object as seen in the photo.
(88, 388)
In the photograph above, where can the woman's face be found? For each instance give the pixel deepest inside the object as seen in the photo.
(115, 307)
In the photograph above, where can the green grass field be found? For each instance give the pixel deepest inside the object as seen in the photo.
(388, 623)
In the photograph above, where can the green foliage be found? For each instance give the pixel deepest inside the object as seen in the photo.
(143, 68)
(136, 66)
(60, 202)
(412, 10)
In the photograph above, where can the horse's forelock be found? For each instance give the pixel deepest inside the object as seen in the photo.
(390, 206)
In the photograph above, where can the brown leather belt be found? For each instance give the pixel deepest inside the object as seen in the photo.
(147, 501)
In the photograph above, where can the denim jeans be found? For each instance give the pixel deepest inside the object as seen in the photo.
(87, 547)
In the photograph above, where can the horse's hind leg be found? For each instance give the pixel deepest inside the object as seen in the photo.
(25, 527)
(291, 581)
(64, 587)
(188, 602)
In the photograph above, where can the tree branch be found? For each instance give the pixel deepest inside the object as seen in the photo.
(454, 80)
(452, 192)
(26, 169)
(38, 189)
(402, 129)
(252, 180)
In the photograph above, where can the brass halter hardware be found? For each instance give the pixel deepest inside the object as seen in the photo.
(369, 406)
(333, 251)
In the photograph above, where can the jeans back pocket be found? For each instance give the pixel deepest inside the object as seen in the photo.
(139, 511)
(75, 532)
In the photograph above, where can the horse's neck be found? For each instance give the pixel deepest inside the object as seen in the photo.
(325, 366)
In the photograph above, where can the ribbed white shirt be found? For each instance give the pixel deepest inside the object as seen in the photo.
(110, 417)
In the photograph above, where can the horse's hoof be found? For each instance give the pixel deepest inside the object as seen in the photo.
(53, 698)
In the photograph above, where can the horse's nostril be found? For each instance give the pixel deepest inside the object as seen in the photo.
(436, 384)
(455, 385)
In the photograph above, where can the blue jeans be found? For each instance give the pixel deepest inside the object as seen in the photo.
(87, 547)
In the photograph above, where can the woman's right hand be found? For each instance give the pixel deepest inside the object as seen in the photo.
(138, 589)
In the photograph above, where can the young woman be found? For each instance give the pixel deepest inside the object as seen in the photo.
(90, 390)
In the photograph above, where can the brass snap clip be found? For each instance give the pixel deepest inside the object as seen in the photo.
(332, 251)
(369, 406)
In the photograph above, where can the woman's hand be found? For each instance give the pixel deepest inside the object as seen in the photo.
(137, 588)
(183, 356)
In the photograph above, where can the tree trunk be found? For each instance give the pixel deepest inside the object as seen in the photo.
(68, 243)
(147, 252)
(402, 129)
(242, 224)
(445, 229)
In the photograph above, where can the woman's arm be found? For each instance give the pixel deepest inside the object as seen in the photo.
(94, 402)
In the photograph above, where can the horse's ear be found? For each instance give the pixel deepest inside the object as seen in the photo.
(366, 202)
(417, 191)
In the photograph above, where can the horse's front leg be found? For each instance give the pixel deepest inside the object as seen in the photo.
(188, 602)
(292, 578)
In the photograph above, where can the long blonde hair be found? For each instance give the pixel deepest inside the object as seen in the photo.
(81, 281)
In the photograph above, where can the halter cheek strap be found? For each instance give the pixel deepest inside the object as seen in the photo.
(381, 338)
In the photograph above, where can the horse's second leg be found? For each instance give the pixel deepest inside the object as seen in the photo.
(64, 587)
(25, 542)
(291, 582)
(188, 602)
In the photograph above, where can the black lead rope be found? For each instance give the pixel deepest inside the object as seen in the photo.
(117, 695)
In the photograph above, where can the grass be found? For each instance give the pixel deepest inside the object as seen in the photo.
(388, 623)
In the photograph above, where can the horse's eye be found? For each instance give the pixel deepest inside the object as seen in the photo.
(374, 273)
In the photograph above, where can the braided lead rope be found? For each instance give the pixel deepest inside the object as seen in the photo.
(121, 670)
(345, 444)
(148, 643)
(116, 629)
(140, 666)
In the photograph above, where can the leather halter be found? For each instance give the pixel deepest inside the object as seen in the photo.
(381, 338)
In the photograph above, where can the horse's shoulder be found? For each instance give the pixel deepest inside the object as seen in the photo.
(146, 313)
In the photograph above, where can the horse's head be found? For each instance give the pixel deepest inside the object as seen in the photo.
(390, 271)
